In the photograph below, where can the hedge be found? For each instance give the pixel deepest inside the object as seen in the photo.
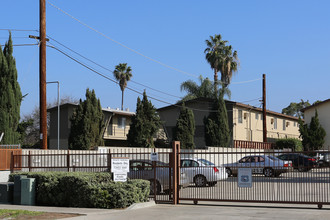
(291, 143)
(88, 190)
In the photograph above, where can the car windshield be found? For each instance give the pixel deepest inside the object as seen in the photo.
(205, 162)
(272, 157)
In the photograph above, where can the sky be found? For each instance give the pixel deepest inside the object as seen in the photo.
(164, 42)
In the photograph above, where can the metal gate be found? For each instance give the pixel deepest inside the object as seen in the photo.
(256, 175)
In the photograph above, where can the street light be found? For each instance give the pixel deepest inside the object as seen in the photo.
(58, 112)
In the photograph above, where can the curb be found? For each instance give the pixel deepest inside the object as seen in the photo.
(141, 205)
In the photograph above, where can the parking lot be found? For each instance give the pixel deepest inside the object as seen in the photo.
(304, 187)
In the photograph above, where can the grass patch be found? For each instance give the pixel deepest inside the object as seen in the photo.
(9, 213)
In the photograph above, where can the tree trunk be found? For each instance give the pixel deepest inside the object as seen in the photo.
(122, 100)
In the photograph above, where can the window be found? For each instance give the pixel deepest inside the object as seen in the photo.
(240, 116)
(121, 122)
(257, 116)
(284, 125)
(294, 124)
(275, 123)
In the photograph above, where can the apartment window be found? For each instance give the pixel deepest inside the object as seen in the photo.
(284, 125)
(257, 116)
(121, 122)
(294, 124)
(275, 123)
(240, 116)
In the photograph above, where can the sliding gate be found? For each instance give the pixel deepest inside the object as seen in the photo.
(252, 175)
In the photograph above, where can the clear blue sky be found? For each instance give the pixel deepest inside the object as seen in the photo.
(286, 40)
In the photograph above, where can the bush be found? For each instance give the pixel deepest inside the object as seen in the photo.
(90, 190)
(290, 143)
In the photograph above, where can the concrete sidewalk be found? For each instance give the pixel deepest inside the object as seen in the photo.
(221, 210)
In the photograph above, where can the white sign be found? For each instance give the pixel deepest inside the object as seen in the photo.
(154, 156)
(120, 177)
(119, 165)
(244, 177)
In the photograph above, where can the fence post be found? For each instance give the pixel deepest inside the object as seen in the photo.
(68, 160)
(29, 161)
(175, 147)
(12, 162)
(109, 160)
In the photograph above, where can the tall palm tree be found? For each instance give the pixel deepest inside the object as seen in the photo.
(123, 74)
(221, 58)
(214, 53)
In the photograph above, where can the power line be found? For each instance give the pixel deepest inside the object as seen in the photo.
(18, 45)
(106, 77)
(4, 29)
(121, 44)
(111, 70)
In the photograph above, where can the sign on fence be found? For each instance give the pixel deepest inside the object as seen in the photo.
(244, 177)
(119, 168)
(154, 156)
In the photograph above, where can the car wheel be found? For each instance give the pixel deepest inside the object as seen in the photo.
(200, 181)
(158, 187)
(268, 172)
(229, 172)
(212, 183)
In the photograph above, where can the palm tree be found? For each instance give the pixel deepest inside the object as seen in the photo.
(204, 90)
(221, 58)
(123, 74)
(214, 53)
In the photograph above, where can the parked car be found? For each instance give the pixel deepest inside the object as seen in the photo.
(322, 159)
(202, 172)
(267, 165)
(143, 169)
(301, 162)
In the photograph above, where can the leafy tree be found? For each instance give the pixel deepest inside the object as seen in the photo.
(221, 58)
(204, 90)
(217, 131)
(185, 128)
(10, 95)
(87, 123)
(313, 134)
(294, 109)
(122, 73)
(145, 123)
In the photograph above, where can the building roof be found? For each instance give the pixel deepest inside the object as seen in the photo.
(315, 105)
(108, 109)
(230, 103)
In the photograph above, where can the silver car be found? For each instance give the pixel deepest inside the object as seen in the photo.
(267, 165)
(143, 169)
(202, 172)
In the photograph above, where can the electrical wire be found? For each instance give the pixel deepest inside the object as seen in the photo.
(121, 44)
(107, 69)
(140, 93)
(18, 45)
(7, 29)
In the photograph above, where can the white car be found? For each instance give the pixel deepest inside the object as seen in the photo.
(143, 169)
(202, 172)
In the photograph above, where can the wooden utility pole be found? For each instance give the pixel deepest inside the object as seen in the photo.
(264, 111)
(42, 76)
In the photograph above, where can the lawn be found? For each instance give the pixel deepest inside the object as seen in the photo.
(23, 215)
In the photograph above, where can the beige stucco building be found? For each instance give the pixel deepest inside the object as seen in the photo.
(245, 121)
(117, 125)
(323, 110)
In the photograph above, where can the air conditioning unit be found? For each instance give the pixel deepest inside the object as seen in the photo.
(245, 115)
(287, 124)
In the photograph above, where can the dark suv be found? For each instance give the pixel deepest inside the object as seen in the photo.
(301, 162)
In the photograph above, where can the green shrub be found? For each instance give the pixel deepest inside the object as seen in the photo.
(92, 190)
(290, 143)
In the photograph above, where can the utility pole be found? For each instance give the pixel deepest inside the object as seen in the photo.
(42, 75)
(264, 118)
